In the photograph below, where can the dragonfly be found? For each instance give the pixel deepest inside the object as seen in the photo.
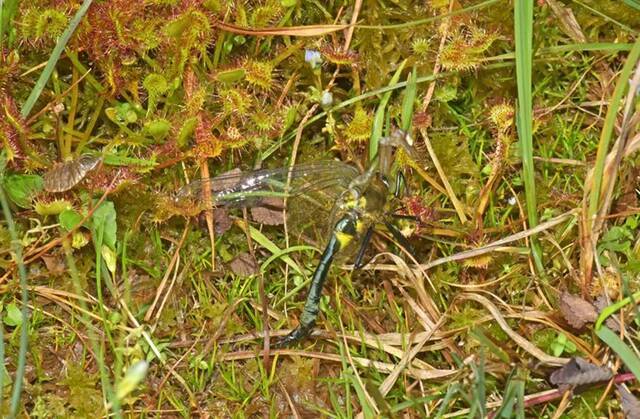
(361, 202)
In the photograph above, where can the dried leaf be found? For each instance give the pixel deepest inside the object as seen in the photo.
(55, 264)
(577, 311)
(579, 371)
(630, 404)
(244, 265)
(269, 211)
(222, 220)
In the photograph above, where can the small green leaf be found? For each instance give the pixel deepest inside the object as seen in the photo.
(186, 131)
(155, 84)
(290, 118)
(134, 376)
(298, 280)
(288, 3)
(324, 303)
(52, 208)
(104, 221)
(122, 114)
(109, 257)
(79, 240)
(158, 129)
(557, 348)
(14, 315)
(230, 76)
(69, 219)
(177, 27)
(22, 188)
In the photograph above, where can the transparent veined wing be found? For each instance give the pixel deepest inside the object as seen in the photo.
(64, 176)
(317, 181)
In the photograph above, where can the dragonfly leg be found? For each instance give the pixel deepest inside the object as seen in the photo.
(402, 240)
(359, 263)
(400, 186)
(398, 216)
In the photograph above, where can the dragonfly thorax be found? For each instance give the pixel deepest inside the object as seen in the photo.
(365, 203)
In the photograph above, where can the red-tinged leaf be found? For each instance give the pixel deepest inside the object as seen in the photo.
(579, 371)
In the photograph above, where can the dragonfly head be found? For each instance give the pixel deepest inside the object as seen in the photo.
(398, 139)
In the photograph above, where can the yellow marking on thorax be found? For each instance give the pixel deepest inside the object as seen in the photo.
(356, 203)
(343, 238)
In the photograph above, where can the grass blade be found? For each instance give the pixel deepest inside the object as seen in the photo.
(623, 351)
(8, 10)
(632, 3)
(408, 100)
(263, 241)
(598, 170)
(609, 310)
(607, 129)
(378, 120)
(524, 39)
(16, 245)
(53, 59)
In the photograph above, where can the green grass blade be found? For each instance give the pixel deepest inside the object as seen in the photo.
(608, 311)
(3, 368)
(408, 100)
(451, 391)
(8, 10)
(53, 59)
(378, 120)
(263, 241)
(98, 238)
(16, 245)
(1, 31)
(283, 252)
(623, 351)
(632, 3)
(524, 54)
(428, 20)
(107, 389)
(607, 130)
(605, 17)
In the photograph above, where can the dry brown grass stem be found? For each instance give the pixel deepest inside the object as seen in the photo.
(489, 248)
(165, 278)
(382, 367)
(517, 338)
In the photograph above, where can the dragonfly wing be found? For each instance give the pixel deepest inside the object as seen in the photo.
(247, 189)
